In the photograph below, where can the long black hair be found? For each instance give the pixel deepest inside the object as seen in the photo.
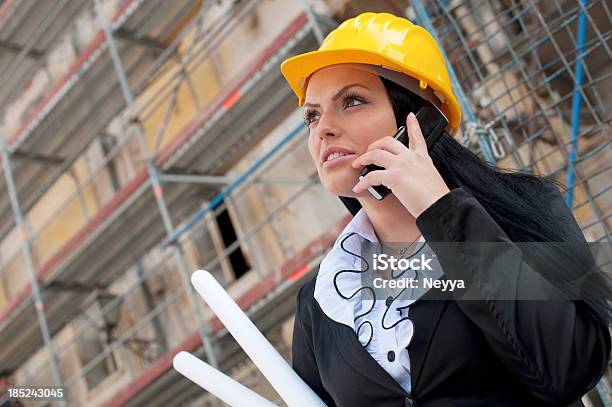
(521, 203)
(512, 197)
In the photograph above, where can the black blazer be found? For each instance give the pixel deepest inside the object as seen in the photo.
(463, 353)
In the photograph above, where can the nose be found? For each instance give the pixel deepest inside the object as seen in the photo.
(327, 126)
(327, 134)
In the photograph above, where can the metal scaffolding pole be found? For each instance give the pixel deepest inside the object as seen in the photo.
(425, 20)
(157, 189)
(312, 20)
(27, 255)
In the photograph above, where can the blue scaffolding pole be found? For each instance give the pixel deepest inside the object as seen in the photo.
(576, 105)
(218, 198)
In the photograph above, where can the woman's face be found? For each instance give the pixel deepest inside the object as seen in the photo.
(346, 109)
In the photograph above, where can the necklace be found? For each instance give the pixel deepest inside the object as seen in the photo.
(402, 252)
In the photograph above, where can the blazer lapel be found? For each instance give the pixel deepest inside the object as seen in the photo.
(425, 314)
(358, 357)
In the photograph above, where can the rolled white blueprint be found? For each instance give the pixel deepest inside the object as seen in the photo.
(292, 389)
(222, 386)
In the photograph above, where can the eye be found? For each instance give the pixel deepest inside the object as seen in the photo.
(349, 99)
(309, 117)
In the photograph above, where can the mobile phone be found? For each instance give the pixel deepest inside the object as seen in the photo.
(432, 123)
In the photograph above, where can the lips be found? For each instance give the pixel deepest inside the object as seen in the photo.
(331, 150)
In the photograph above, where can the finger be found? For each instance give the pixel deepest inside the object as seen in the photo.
(371, 179)
(381, 158)
(389, 144)
(415, 136)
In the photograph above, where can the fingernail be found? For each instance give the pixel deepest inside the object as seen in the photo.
(411, 114)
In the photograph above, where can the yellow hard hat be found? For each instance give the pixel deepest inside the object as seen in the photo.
(380, 39)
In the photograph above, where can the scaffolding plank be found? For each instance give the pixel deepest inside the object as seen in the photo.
(90, 95)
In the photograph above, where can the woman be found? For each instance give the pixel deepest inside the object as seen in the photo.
(367, 79)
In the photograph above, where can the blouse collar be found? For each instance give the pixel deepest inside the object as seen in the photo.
(344, 255)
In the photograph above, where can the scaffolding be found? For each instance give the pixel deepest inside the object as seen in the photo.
(163, 145)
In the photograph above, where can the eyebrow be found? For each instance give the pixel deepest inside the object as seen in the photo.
(337, 95)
